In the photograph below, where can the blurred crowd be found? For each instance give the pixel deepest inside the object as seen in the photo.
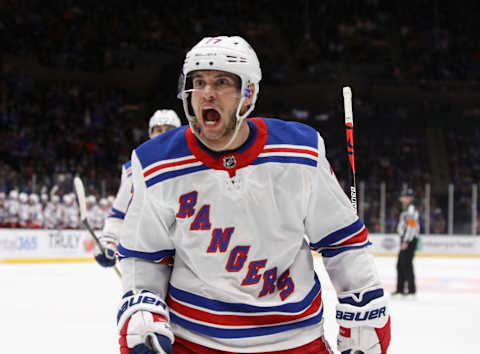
(412, 40)
(44, 211)
(51, 131)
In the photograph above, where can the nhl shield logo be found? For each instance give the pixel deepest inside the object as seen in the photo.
(229, 162)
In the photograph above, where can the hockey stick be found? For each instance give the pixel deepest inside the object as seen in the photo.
(80, 191)
(347, 104)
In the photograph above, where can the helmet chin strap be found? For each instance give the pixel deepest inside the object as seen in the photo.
(238, 123)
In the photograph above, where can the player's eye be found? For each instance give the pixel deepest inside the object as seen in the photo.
(198, 83)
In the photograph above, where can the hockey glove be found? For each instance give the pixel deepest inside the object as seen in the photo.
(108, 258)
(364, 322)
(142, 321)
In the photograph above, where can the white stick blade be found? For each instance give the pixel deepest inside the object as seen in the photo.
(347, 104)
(80, 190)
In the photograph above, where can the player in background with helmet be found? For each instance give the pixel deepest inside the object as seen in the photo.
(44, 200)
(53, 213)
(70, 212)
(23, 211)
(212, 252)
(408, 228)
(161, 121)
(95, 215)
(3, 209)
(11, 206)
(36, 218)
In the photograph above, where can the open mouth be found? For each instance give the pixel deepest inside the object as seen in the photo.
(210, 116)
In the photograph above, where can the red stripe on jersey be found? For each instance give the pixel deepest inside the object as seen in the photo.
(165, 260)
(358, 238)
(241, 320)
(301, 151)
(169, 164)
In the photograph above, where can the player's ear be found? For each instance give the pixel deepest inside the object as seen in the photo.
(249, 95)
(247, 103)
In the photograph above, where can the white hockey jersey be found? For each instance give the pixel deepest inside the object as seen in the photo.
(53, 215)
(232, 226)
(116, 215)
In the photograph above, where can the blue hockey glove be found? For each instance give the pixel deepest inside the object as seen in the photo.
(108, 258)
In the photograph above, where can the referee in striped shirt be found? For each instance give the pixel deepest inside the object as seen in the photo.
(408, 229)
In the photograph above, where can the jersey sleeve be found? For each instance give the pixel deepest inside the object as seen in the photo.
(116, 215)
(335, 231)
(145, 249)
(331, 224)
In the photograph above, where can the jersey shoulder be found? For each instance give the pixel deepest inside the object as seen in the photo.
(282, 132)
(127, 168)
(167, 146)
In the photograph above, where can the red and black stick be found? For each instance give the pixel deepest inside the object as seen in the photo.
(347, 104)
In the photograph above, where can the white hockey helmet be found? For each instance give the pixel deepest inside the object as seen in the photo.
(230, 54)
(91, 199)
(163, 117)
(23, 197)
(55, 198)
(2, 195)
(67, 199)
(13, 195)
(103, 202)
(44, 197)
(34, 198)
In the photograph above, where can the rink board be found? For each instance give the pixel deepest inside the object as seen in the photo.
(41, 246)
(429, 245)
(31, 246)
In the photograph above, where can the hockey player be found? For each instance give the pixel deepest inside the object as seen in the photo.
(70, 212)
(408, 229)
(3, 210)
(161, 121)
(44, 200)
(212, 252)
(23, 211)
(95, 215)
(36, 218)
(53, 213)
(11, 205)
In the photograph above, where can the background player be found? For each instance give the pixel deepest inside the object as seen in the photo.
(230, 200)
(161, 121)
(408, 229)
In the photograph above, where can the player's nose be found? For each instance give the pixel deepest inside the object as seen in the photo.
(209, 92)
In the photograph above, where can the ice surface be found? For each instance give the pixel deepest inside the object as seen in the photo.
(71, 307)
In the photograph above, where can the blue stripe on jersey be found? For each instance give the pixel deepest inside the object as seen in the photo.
(217, 305)
(243, 332)
(294, 133)
(334, 251)
(175, 173)
(115, 213)
(150, 256)
(169, 145)
(285, 159)
(338, 235)
(127, 165)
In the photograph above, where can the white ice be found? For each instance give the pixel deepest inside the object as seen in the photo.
(71, 308)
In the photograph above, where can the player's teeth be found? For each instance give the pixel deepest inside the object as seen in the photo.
(210, 122)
